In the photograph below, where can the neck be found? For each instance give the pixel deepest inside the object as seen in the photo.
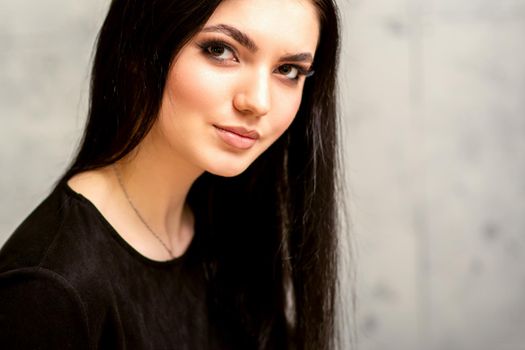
(157, 182)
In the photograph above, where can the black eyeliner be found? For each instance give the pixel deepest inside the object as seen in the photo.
(206, 44)
(304, 71)
(301, 71)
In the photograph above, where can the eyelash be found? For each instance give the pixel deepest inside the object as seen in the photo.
(207, 45)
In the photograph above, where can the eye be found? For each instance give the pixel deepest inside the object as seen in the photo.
(289, 71)
(293, 72)
(218, 51)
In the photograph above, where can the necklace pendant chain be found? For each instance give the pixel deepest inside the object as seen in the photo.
(119, 178)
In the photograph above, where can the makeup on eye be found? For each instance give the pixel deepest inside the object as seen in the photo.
(295, 70)
(217, 49)
(222, 52)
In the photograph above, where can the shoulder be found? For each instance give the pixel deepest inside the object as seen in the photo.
(62, 235)
(52, 276)
(29, 243)
(40, 309)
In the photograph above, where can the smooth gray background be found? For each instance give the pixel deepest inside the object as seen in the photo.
(433, 103)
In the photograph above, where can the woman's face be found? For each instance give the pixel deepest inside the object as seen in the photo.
(237, 85)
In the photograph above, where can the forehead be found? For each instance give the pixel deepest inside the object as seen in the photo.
(293, 23)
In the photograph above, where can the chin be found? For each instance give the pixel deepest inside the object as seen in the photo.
(228, 170)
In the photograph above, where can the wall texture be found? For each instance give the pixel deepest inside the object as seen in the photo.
(45, 48)
(433, 97)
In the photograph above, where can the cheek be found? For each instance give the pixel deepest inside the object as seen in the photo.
(195, 85)
(182, 104)
(186, 88)
(287, 110)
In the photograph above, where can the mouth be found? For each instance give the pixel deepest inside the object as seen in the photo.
(237, 137)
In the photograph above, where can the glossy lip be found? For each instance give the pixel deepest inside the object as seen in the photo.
(237, 137)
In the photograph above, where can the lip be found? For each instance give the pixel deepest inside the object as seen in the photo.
(237, 137)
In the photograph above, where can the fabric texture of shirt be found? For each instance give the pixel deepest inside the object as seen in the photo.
(68, 280)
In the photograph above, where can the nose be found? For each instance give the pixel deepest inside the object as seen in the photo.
(253, 95)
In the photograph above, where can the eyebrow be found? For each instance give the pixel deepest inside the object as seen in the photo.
(245, 41)
(300, 57)
(234, 33)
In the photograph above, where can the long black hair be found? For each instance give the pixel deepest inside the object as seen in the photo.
(273, 274)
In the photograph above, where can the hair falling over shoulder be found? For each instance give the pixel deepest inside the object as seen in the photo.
(271, 232)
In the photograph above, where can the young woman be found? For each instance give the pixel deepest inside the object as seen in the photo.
(200, 211)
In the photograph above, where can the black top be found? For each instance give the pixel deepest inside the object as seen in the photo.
(69, 281)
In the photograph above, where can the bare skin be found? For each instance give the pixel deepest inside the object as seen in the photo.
(219, 86)
(161, 202)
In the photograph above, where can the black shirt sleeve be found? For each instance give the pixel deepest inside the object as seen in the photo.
(40, 310)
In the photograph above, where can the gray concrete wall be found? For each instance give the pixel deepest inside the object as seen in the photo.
(433, 99)
(45, 49)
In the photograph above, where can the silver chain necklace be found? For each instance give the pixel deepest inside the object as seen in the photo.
(117, 173)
